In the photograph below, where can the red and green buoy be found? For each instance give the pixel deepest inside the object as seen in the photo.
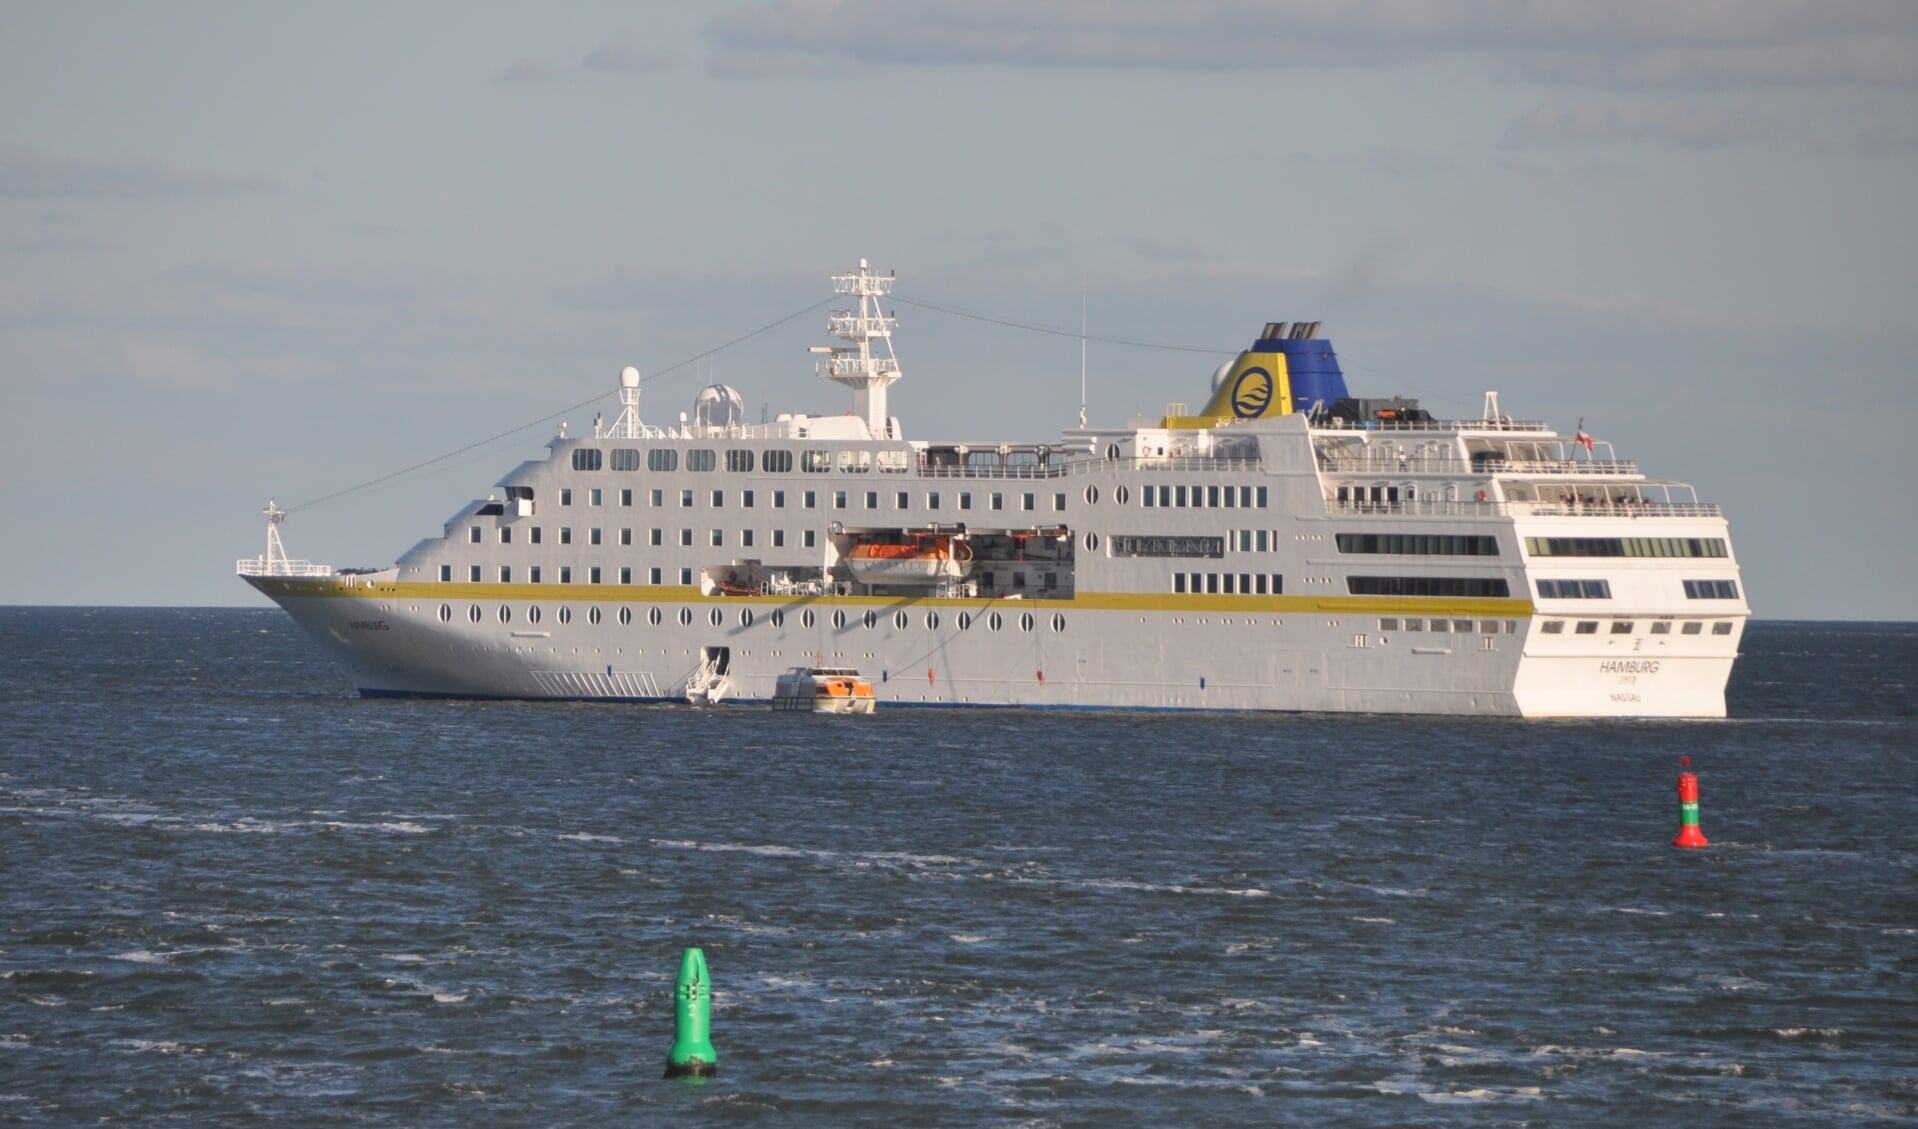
(692, 1054)
(1688, 833)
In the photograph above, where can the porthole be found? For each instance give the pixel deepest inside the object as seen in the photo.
(839, 617)
(653, 616)
(592, 615)
(566, 615)
(872, 619)
(532, 614)
(685, 617)
(1092, 542)
(1092, 495)
(745, 617)
(1121, 494)
(995, 621)
(1025, 621)
(965, 620)
(1058, 621)
(473, 613)
(806, 618)
(505, 614)
(625, 617)
(715, 617)
(932, 621)
(899, 620)
(779, 617)
(446, 613)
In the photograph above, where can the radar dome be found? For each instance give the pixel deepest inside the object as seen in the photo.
(719, 406)
(629, 377)
(1218, 377)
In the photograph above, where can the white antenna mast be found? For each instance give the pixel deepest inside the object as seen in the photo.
(1082, 352)
(857, 366)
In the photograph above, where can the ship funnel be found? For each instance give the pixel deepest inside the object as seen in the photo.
(1287, 369)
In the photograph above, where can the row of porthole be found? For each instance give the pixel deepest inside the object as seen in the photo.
(717, 617)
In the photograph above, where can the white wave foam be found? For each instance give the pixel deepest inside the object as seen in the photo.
(589, 837)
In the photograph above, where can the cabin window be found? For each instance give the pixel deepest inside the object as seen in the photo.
(1662, 627)
(565, 574)
(746, 499)
(623, 458)
(838, 499)
(965, 501)
(566, 495)
(473, 573)
(719, 537)
(592, 536)
(745, 538)
(654, 538)
(1587, 627)
(779, 538)
(532, 577)
(1553, 627)
(592, 575)
(506, 574)
(932, 500)
(593, 496)
(872, 499)
(1621, 627)
(625, 574)
(996, 501)
(1722, 627)
(1178, 582)
(653, 577)
(810, 540)
(625, 536)
(536, 535)
(815, 462)
(661, 459)
(686, 537)
(779, 499)
(685, 499)
(566, 535)
(739, 460)
(1058, 503)
(586, 458)
(1711, 590)
(1026, 502)
(446, 573)
(626, 497)
(657, 498)
(701, 459)
(776, 462)
(719, 499)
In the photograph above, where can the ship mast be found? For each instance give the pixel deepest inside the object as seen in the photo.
(857, 365)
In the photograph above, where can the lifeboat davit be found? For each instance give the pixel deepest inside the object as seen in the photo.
(923, 560)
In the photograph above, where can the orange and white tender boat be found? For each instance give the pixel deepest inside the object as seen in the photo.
(921, 560)
(823, 689)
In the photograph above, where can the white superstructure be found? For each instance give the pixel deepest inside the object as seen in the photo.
(1288, 547)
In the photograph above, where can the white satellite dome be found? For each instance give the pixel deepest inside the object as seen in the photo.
(1218, 377)
(719, 405)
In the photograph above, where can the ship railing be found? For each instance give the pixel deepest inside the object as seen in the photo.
(1091, 466)
(1432, 425)
(1489, 508)
(1452, 464)
(261, 566)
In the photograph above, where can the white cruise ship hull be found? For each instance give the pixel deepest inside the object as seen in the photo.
(1279, 654)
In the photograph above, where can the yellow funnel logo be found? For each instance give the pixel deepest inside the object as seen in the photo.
(1256, 388)
(1251, 393)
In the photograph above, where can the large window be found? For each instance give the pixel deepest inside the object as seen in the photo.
(1493, 587)
(1574, 590)
(662, 459)
(1711, 589)
(586, 458)
(739, 460)
(701, 458)
(624, 458)
(777, 462)
(1625, 546)
(1420, 544)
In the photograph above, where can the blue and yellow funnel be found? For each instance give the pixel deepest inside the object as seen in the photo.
(1284, 371)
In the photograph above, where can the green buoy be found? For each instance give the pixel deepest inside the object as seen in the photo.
(692, 1054)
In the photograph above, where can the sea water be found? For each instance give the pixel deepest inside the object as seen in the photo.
(231, 892)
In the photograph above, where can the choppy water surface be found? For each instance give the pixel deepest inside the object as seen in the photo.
(233, 892)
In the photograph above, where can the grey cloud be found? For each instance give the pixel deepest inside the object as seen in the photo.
(1626, 120)
(631, 53)
(1632, 42)
(39, 174)
(530, 72)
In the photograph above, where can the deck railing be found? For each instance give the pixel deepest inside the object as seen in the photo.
(261, 566)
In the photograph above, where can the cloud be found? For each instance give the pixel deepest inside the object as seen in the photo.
(1627, 120)
(530, 72)
(39, 174)
(1628, 43)
(631, 53)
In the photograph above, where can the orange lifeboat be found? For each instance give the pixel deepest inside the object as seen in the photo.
(924, 560)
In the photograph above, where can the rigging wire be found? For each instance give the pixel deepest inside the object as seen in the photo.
(695, 358)
(1073, 333)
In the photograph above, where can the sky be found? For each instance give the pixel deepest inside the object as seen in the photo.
(363, 258)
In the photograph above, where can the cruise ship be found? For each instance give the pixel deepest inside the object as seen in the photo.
(1288, 546)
